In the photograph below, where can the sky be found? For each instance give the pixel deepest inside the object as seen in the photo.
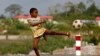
(42, 5)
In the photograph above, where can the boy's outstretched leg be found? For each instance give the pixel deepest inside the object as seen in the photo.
(48, 32)
(35, 47)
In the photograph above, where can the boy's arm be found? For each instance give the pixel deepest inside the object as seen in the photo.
(34, 24)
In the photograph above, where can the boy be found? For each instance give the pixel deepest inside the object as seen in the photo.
(36, 25)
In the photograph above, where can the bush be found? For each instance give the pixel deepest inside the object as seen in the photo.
(49, 25)
(91, 39)
(13, 32)
(94, 40)
(54, 43)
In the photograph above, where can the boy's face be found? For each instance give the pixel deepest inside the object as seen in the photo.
(34, 13)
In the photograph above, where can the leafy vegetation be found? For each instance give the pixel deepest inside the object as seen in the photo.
(65, 19)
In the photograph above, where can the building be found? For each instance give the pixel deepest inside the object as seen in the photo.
(98, 20)
(24, 18)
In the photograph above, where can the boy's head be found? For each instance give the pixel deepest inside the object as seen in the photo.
(33, 12)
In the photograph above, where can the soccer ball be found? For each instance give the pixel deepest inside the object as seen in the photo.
(77, 24)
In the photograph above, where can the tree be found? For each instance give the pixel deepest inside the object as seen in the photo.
(14, 9)
(77, 8)
(81, 7)
(2, 16)
(55, 9)
(90, 1)
(72, 9)
(68, 5)
(93, 10)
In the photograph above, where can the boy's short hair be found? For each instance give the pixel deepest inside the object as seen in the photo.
(32, 9)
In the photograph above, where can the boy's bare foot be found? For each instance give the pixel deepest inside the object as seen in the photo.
(68, 34)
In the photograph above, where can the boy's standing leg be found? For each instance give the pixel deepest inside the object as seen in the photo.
(35, 46)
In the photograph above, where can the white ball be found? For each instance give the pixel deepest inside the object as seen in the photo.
(77, 24)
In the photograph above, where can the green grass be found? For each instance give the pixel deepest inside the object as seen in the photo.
(54, 43)
(16, 46)
(24, 46)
